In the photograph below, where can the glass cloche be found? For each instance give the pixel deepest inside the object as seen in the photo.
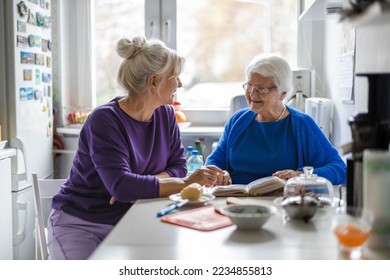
(309, 184)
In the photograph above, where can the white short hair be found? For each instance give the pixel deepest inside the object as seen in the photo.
(272, 66)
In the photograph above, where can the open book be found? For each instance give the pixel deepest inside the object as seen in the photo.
(257, 187)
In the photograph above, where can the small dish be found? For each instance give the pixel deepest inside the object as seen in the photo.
(203, 199)
(2, 144)
(249, 217)
(184, 125)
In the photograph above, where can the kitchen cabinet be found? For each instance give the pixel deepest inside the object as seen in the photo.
(6, 252)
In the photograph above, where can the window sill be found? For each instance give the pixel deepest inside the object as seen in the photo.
(207, 117)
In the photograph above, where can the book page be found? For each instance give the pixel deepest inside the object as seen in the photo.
(255, 188)
(231, 190)
(265, 185)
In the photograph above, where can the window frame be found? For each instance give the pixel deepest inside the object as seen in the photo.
(76, 57)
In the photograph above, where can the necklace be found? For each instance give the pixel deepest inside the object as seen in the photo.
(258, 117)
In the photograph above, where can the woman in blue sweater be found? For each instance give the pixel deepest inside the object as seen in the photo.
(270, 138)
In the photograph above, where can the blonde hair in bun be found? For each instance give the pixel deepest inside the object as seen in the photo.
(143, 58)
(128, 49)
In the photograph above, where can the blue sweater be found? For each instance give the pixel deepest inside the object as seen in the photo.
(313, 148)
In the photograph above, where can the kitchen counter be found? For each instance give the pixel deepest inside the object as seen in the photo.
(185, 131)
(69, 130)
(6, 153)
(212, 131)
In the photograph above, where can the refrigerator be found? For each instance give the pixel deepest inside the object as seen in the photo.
(26, 108)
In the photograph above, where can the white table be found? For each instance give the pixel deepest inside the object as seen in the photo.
(140, 235)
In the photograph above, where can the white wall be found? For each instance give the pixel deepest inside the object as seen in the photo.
(319, 47)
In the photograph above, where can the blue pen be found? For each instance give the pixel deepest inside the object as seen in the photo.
(172, 207)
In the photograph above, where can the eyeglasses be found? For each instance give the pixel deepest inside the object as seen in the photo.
(261, 90)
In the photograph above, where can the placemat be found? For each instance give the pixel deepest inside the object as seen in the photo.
(203, 218)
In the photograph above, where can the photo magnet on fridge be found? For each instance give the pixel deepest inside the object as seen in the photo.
(45, 45)
(37, 94)
(22, 9)
(21, 41)
(31, 18)
(22, 94)
(39, 19)
(26, 94)
(37, 76)
(46, 77)
(48, 61)
(27, 58)
(34, 41)
(30, 93)
(46, 22)
(42, 3)
(27, 74)
(40, 59)
(21, 26)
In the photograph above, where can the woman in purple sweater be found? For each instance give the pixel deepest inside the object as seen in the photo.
(129, 149)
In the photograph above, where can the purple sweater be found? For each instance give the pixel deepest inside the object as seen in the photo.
(118, 156)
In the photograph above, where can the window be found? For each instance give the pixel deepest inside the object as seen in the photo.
(217, 37)
(114, 19)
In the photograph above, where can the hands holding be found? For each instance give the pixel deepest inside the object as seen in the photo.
(209, 176)
(286, 174)
(223, 179)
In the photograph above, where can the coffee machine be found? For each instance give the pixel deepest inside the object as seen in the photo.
(370, 130)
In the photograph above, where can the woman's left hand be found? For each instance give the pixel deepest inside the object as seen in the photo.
(286, 174)
(223, 179)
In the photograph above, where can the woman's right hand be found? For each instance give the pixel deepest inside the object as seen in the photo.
(223, 179)
(206, 176)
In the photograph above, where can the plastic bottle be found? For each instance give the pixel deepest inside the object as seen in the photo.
(198, 147)
(203, 146)
(189, 152)
(194, 162)
(214, 146)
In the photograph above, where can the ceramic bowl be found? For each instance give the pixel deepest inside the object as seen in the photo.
(249, 217)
